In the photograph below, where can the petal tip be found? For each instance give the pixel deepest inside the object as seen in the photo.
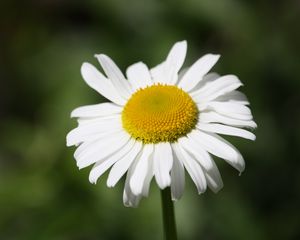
(84, 67)
(218, 189)
(69, 142)
(79, 166)
(92, 178)
(135, 191)
(165, 184)
(175, 198)
(241, 170)
(73, 113)
(182, 42)
(110, 183)
(180, 46)
(101, 57)
(93, 181)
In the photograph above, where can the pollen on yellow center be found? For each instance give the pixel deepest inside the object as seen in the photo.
(159, 113)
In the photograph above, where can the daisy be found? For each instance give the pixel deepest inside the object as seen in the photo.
(159, 123)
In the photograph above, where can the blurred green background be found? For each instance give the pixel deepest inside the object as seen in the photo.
(42, 46)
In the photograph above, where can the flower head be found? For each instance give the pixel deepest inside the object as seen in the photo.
(159, 123)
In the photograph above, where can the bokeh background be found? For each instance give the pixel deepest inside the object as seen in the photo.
(42, 46)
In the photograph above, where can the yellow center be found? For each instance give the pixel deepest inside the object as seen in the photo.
(159, 113)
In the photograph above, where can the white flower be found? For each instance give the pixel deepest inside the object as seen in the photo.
(160, 122)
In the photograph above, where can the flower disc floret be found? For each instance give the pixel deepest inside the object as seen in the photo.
(159, 113)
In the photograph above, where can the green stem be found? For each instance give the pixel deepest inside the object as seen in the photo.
(168, 215)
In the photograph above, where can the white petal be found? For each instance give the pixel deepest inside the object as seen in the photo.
(220, 148)
(94, 120)
(149, 176)
(193, 168)
(96, 110)
(157, 73)
(122, 166)
(197, 151)
(213, 178)
(162, 164)
(129, 199)
(212, 174)
(138, 75)
(101, 84)
(207, 79)
(197, 71)
(213, 117)
(92, 131)
(182, 72)
(100, 149)
(88, 138)
(102, 166)
(175, 61)
(177, 178)
(227, 130)
(115, 75)
(216, 88)
(140, 172)
(234, 96)
(230, 109)
(167, 71)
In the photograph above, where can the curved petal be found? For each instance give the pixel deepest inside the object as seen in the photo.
(102, 166)
(149, 177)
(97, 128)
(193, 168)
(77, 139)
(216, 88)
(140, 172)
(234, 96)
(229, 109)
(122, 166)
(94, 120)
(213, 178)
(96, 110)
(211, 171)
(182, 72)
(213, 117)
(207, 79)
(157, 73)
(175, 61)
(101, 84)
(162, 164)
(197, 151)
(227, 130)
(139, 76)
(177, 177)
(220, 148)
(129, 199)
(115, 75)
(96, 151)
(167, 72)
(197, 71)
